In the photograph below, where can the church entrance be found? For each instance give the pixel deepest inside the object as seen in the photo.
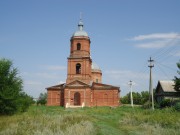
(77, 97)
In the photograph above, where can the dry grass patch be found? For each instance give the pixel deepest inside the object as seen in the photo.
(46, 125)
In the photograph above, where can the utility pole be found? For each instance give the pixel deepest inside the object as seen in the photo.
(151, 96)
(130, 84)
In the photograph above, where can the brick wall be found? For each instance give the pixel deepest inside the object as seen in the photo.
(54, 97)
(105, 98)
(96, 77)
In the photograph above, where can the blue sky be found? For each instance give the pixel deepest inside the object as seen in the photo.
(35, 35)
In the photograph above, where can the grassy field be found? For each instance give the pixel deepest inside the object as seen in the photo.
(42, 120)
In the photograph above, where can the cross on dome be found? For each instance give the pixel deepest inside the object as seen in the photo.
(80, 25)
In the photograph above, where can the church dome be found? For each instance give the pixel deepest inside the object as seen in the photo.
(80, 31)
(94, 66)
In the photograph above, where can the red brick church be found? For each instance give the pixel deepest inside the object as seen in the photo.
(83, 85)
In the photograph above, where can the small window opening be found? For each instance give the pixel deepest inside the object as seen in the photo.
(78, 68)
(97, 80)
(78, 46)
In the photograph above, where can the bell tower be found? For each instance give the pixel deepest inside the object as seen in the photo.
(79, 61)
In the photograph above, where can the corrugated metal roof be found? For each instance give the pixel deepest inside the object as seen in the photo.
(167, 86)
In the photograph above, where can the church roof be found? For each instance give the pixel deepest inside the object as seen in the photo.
(80, 31)
(101, 86)
(59, 86)
(77, 83)
(80, 84)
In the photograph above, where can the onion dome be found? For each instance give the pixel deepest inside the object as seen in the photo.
(80, 31)
(95, 67)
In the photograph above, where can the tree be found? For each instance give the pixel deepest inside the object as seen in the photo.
(138, 98)
(144, 96)
(177, 79)
(10, 88)
(42, 99)
(126, 99)
(24, 101)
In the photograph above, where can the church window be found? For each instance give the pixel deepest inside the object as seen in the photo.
(97, 80)
(78, 68)
(78, 46)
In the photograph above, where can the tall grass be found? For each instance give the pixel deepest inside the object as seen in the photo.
(158, 122)
(42, 120)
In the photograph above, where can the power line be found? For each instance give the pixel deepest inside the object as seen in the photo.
(169, 56)
(165, 66)
(161, 50)
(166, 52)
(163, 72)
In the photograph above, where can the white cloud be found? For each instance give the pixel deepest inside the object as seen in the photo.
(156, 40)
(154, 44)
(157, 36)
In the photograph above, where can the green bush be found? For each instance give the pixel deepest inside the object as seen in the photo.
(165, 103)
(125, 100)
(177, 106)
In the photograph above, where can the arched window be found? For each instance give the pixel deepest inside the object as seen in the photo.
(78, 46)
(78, 68)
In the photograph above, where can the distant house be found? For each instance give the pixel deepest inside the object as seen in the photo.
(165, 90)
